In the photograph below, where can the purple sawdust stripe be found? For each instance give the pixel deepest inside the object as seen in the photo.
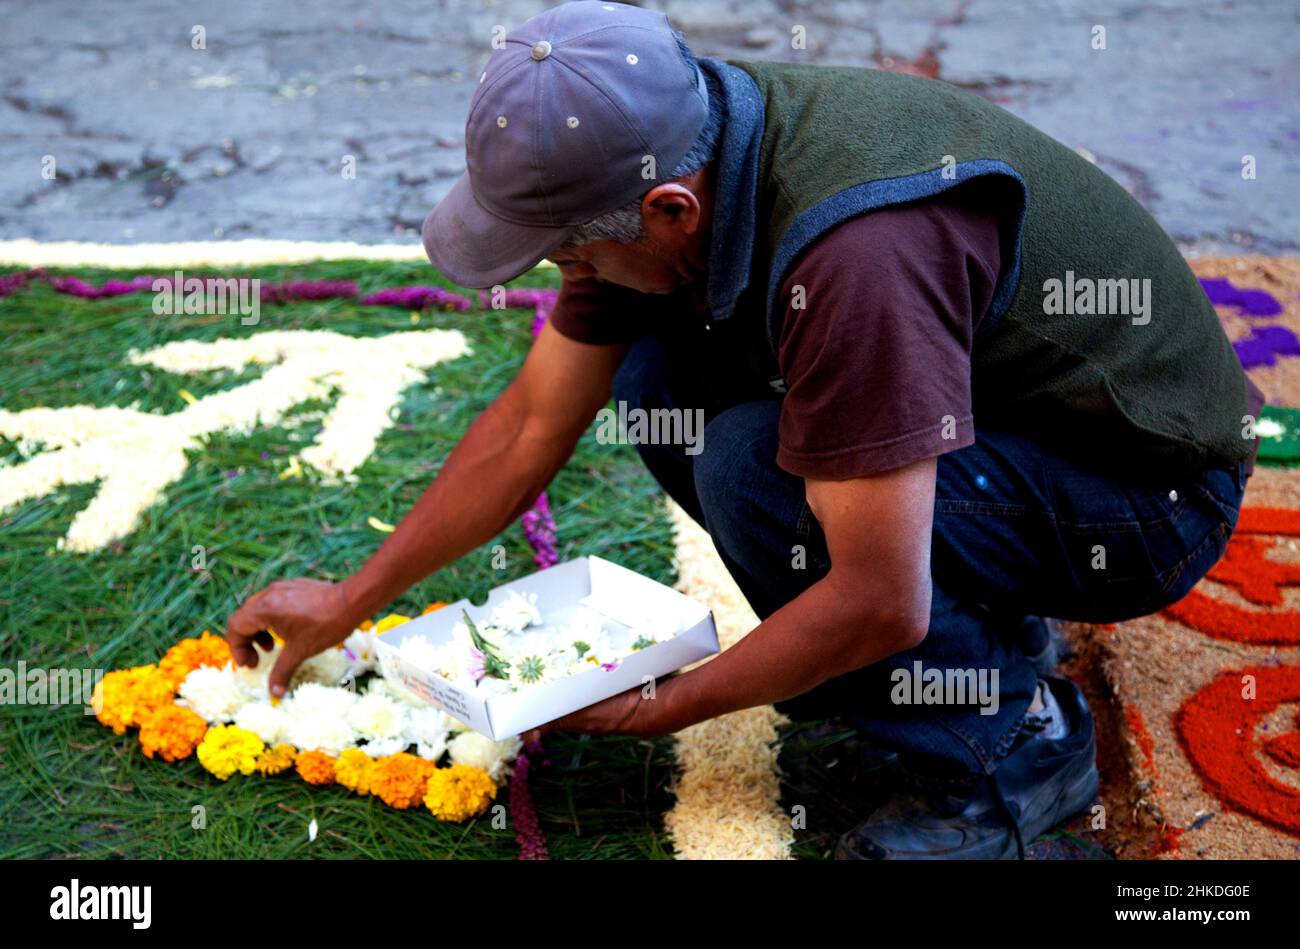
(76, 287)
(1265, 344)
(540, 300)
(417, 298)
(309, 290)
(528, 829)
(11, 283)
(1250, 302)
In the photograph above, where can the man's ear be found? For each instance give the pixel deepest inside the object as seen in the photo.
(670, 206)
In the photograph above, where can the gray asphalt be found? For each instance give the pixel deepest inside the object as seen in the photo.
(154, 140)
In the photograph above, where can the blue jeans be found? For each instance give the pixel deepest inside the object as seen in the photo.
(1018, 531)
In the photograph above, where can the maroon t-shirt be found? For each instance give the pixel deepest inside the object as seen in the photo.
(877, 360)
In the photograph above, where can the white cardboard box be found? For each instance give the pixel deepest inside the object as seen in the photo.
(625, 600)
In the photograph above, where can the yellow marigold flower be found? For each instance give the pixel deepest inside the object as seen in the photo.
(390, 621)
(125, 697)
(188, 654)
(171, 732)
(226, 749)
(459, 792)
(315, 767)
(352, 770)
(276, 760)
(399, 780)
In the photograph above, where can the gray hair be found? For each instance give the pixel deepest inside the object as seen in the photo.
(623, 225)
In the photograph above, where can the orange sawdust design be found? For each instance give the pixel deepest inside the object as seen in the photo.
(1247, 568)
(1217, 729)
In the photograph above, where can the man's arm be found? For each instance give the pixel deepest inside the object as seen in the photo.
(506, 458)
(874, 602)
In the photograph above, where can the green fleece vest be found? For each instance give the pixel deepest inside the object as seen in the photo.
(1052, 355)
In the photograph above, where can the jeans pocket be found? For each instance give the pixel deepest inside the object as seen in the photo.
(1221, 489)
(1192, 568)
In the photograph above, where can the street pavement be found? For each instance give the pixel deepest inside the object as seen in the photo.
(155, 140)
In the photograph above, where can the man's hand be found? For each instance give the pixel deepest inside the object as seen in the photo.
(616, 715)
(494, 474)
(873, 603)
(309, 615)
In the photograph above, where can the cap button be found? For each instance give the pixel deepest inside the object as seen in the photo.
(541, 49)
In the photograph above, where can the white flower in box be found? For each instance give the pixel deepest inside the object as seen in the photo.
(453, 659)
(538, 665)
(516, 613)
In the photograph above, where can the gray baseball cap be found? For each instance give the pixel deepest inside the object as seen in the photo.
(582, 108)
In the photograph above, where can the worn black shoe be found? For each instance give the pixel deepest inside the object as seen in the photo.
(1039, 784)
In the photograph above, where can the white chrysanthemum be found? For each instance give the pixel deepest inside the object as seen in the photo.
(215, 695)
(431, 751)
(489, 686)
(427, 729)
(516, 612)
(265, 721)
(590, 644)
(361, 652)
(319, 718)
(450, 659)
(254, 679)
(327, 668)
(540, 666)
(479, 751)
(376, 717)
(420, 652)
(658, 628)
(384, 747)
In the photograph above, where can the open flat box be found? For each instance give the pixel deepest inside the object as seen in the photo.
(628, 604)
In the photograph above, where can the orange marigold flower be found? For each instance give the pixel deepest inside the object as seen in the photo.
(315, 767)
(171, 732)
(353, 770)
(400, 780)
(433, 607)
(125, 697)
(189, 654)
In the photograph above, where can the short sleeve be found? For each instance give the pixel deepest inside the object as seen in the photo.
(876, 360)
